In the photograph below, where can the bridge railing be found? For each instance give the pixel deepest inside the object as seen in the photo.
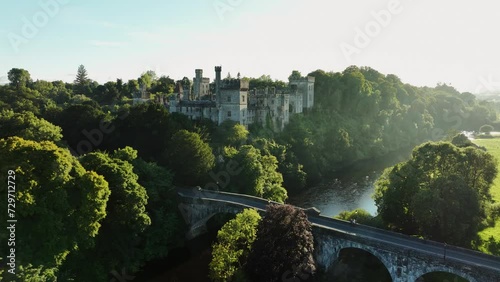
(373, 230)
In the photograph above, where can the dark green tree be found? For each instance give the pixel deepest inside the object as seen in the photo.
(189, 157)
(284, 246)
(82, 81)
(440, 193)
(19, 78)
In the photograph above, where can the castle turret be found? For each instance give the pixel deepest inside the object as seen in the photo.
(197, 84)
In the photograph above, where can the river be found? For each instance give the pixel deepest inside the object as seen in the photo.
(350, 188)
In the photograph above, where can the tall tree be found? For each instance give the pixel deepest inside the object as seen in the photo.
(284, 246)
(82, 82)
(19, 78)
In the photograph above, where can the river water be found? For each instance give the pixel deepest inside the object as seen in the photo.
(349, 189)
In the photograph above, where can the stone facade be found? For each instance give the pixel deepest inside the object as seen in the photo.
(231, 99)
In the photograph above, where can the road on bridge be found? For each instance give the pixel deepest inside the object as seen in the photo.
(391, 238)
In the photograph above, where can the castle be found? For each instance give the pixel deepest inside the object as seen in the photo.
(231, 99)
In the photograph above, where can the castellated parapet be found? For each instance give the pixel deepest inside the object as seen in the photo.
(231, 99)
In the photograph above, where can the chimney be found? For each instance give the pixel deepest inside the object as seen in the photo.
(218, 71)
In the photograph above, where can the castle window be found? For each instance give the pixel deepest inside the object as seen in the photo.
(229, 114)
(229, 98)
(243, 98)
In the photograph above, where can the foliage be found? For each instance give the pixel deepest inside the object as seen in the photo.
(230, 133)
(360, 215)
(59, 205)
(82, 82)
(19, 78)
(189, 157)
(118, 243)
(234, 242)
(257, 174)
(440, 193)
(284, 246)
(165, 231)
(28, 126)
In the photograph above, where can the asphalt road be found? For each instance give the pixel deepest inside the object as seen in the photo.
(390, 238)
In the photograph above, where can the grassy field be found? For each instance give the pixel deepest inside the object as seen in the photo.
(493, 147)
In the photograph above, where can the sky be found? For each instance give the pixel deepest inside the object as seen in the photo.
(422, 42)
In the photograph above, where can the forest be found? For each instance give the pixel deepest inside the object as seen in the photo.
(96, 172)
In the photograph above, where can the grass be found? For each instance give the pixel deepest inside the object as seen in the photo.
(493, 147)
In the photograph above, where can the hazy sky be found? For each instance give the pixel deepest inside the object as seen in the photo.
(423, 42)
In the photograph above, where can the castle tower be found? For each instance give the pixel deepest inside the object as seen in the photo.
(197, 81)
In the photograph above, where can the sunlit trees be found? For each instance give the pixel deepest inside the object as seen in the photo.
(118, 243)
(257, 174)
(28, 126)
(284, 246)
(59, 205)
(234, 242)
(440, 193)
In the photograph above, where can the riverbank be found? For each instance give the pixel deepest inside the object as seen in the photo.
(349, 188)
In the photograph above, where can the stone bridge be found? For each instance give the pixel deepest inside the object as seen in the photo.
(406, 258)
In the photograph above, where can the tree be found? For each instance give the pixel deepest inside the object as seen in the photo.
(440, 193)
(28, 126)
(82, 82)
(284, 246)
(19, 78)
(296, 75)
(118, 244)
(257, 174)
(81, 76)
(189, 157)
(165, 231)
(59, 205)
(234, 242)
(230, 133)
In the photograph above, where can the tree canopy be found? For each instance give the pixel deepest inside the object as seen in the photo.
(440, 193)
(60, 206)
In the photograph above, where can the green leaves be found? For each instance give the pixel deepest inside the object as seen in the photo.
(189, 157)
(440, 193)
(59, 207)
(234, 242)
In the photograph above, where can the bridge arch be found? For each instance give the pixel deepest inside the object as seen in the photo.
(361, 263)
(384, 260)
(433, 269)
